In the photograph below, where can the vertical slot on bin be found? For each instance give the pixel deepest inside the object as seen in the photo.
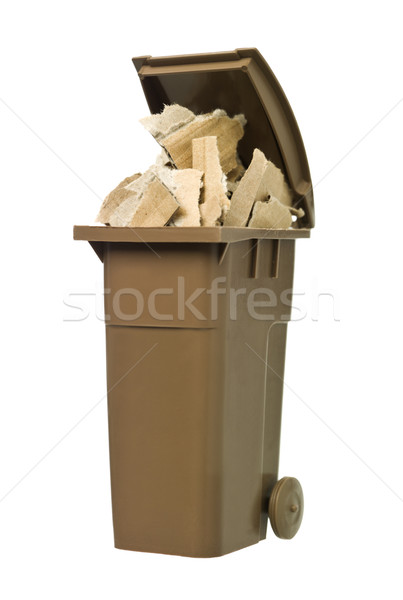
(274, 270)
(254, 251)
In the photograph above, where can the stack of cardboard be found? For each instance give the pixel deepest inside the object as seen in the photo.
(199, 179)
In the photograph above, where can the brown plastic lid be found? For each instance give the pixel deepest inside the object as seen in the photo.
(239, 82)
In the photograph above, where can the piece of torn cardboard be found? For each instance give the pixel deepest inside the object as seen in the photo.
(277, 186)
(150, 203)
(176, 136)
(163, 159)
(187, 186)
(156, 207)
(162, 124)
(261, 180)
(270, 215)
(214, 201)
(115, 198)
(123, 213)
(251, 188)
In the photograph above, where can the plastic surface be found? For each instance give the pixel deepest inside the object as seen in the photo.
(195, 387)
(195, 424)
(286, 507)
(182, 234)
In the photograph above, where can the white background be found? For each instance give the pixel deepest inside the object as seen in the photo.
(68, 88)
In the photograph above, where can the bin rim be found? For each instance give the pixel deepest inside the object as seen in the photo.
(104, 233)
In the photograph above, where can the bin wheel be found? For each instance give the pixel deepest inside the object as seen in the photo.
(286, 507)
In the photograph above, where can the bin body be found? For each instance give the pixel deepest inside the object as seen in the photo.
(194, 403)
(195, 376)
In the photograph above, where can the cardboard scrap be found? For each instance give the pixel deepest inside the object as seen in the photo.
(214, 201)
(275, 180)
(262, 179)
(228, 132)
(270, 215)
(187, 185)
(172, 118)
(176, 127)
(150, 203)
(297, 212)
(163, 159)
(124, 212)
(156, 207)
(115, 198)
(251, 188)
(166, 175)
(277, 185)
(286, 196)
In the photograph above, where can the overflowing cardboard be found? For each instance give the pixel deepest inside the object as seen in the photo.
(199, 179)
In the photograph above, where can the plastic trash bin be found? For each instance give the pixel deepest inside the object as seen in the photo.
(196, 322)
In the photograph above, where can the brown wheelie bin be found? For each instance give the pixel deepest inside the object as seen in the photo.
(196, 322)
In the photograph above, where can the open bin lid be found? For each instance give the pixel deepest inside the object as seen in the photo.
(238, 82)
